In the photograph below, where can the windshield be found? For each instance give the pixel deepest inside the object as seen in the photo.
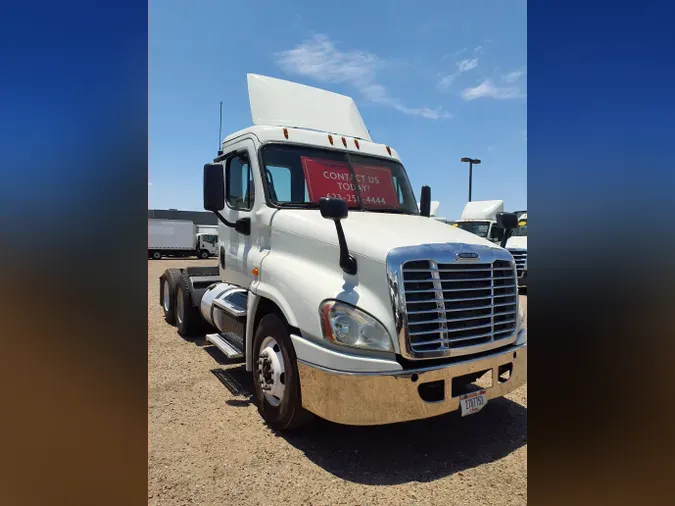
(521, 231)
(298, 176)
(475, 227)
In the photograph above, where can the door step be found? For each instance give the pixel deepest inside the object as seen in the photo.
(229, 343)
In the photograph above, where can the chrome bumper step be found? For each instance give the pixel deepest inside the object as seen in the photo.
(228, 343)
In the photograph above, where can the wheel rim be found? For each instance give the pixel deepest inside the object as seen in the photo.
(180, 308)
(271, 371)
(166, 296)
(157, 256)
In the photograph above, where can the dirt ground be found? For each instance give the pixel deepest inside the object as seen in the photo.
(209, 446)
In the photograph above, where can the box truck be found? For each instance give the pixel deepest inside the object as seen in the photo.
(179, 238)
(340, 294)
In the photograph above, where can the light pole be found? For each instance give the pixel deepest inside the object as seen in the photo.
(471, 162)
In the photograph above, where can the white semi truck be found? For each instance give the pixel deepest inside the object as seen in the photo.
(179, 238)
(341, 296)
(480, 218)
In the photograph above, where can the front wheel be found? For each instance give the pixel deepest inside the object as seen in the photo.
(203, 254)
(156, 255)
(275, 375)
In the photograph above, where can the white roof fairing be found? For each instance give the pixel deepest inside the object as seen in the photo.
(276, 102)
(482, 210)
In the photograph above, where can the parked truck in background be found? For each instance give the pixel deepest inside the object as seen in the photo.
(179, 238)
(341, 296)
(480, 218)
(517, 246)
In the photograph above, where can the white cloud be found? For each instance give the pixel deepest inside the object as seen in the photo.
(462, 66)
(487, 89)
(513, 76)
(319, 59)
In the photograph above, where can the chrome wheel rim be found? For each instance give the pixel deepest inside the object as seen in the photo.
(180, 308)
(166, 295)
(271, 372)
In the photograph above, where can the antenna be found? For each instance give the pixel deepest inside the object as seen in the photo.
(220, 128)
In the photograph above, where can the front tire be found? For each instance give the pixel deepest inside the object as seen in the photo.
(203, 254)
(156, 255)
(275, 376)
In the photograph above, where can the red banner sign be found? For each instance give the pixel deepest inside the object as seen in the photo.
(326, 178)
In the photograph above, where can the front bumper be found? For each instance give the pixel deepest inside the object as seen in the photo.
(382, 398)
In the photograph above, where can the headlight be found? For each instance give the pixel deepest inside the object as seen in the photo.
(344, 324)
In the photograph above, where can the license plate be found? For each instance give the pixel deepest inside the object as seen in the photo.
(473, 402)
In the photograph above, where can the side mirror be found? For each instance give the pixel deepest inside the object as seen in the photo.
(425, 201)
(336, 210)
(507, 221)
(214, 187)
(333, 209)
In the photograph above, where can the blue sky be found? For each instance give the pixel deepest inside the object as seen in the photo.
(436, 83)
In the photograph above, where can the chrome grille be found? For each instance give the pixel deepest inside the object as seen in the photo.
(520, 256)
(454, 305)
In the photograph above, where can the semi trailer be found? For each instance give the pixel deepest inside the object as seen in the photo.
(341, 296)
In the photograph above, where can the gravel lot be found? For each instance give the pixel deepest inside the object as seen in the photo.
(208, 445)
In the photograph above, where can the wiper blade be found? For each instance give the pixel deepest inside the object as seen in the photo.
(298, 205)
(396, 210)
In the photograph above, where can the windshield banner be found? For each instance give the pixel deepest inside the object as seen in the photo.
(326, 178)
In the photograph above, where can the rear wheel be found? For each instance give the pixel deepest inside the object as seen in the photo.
(276, 378)
(167, 289)
(187, 316)
(156, 255)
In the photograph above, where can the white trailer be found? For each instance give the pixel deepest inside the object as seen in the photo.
(340, 296)
(179, 238)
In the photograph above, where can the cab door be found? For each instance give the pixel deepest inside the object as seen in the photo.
(239, 249)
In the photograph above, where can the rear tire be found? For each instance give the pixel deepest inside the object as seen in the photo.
(156, 255)
(167, 293)
(187, 316)
(286, 413)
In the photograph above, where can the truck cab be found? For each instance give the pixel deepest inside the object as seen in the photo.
(480, 218)
(206, 245)
(343, 298)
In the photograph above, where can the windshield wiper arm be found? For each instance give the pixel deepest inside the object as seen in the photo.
(396, 210)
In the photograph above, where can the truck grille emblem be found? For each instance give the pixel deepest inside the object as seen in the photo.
(467, 256)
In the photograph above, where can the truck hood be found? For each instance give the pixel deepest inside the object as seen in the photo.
(373, 235)
(519, 242)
